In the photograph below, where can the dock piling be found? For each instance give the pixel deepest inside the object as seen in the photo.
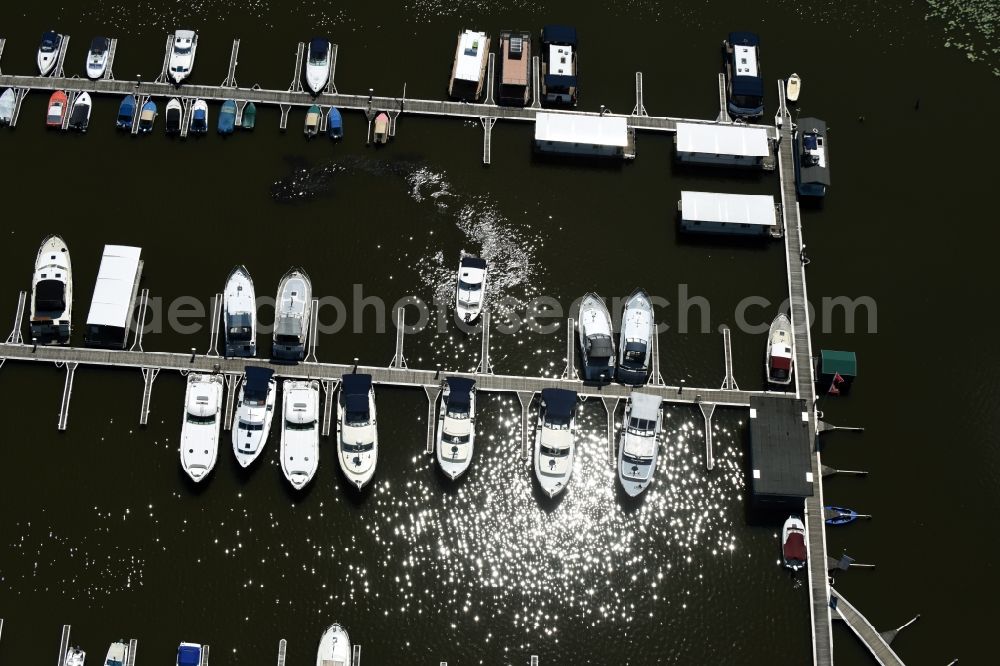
(63, 645)
(611, 406)
(729, 382)
(569, 372)
(432, 398)
(485, 366)
(230, 81)
(640, 108)
(15, 337)
(525, 398)
(707, 410)
(109, 74)
(67, 394)
(282, 649)
(148, 376)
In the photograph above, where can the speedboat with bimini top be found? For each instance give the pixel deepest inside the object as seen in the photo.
(199, 117)
(554, 440)
(7, 102)
(334, 647)
(227, 117)
(780, 351)
(597, 347)
(126, 113)
(189, 654)
(52, 293)
(97, 57)
(456, 426)
(75, 657)
(147, 116)
(357, 434)
(117, 654)
(174, 113)
(470, 294)
(57, 110)
(202, 419)
(793, 543)
(293, 309)
(239, 307)
(48, 52)
(299, 431)
(318, 64)
(254, 412)
(79, 117)
(182, 55)
(635, 339)
(640, 442)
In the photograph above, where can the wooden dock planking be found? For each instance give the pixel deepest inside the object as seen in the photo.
(148, 376)
(729, 382)
(536, 83)
(331, 83)
(140, 320)
(640, 108)
(432, 399)
(234, 55)
(707, 410)
(610, 407)
(133, 650)
(525, 398)
(296, 85)
(67, 393)
(491, 78)
(723, 107)
(863, 629)
(15, 336)
(569, 372)
(398, 359)
(329, 398)
(164, 76)
(59, 71)
(485, 366)
(3, 43)
(112, 51)
(63, 645)
(213, 325)
(488, 124)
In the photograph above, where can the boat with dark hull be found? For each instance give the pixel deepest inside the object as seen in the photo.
(744, 81)
(559, 66)
(635, 339)
(597, 347)
(52, 293)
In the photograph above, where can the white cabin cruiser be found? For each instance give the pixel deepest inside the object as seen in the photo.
(48, 52)
(202, 421)
(254, 412)
(75, 657)
(635, 339)
(471, 291)
(182, 55)
(334, 647)
(780, 351)
(299, 431)
(597, 347)
(357, 434)
(97, 57)
(793, 543)
(239, 308)
(7, 102)
(117, 654)
(292, 312)
(555, 445)
(52, 293)
(639, 442)
(456, 426)
(318, 64)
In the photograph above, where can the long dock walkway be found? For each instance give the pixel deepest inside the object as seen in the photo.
(864, 630)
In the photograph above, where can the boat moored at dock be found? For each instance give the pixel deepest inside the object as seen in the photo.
(469, 69)
(189, 654)
(812, 158)
(793, 544)
(52, 293)
(249, 119)
(381, 129)
(299, 431)
(744, 81)
(126, 113)
(147, 116)
(555, 440)
(635, 339)
(48, 52)
(357, 432)
(515, 68)
(292, 311)
(239, 310)
(74, 657)
(313, 116)
(334, 647)
(7, 102)
(254, 412)
(79, 117)
(56, 110)
(793, 88)
(640, 442)
(470, 292)
(456, 427)
(597, 347)
(182, 55)
(199, 117)
(780, 353)
(110, 319)
(97, 57)
(200, 429)
(318, 65)
(334, 123)
(559, 65)
(174, 115)
(227, 117)
(117, 654)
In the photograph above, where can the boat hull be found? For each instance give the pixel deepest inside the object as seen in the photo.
(299, 450)
(252, 426)
(239, 307)
(47, 325)
(199, 446)
(595, 333)
(292, 321)
(455, 458)
(779, 337)
(334, 647)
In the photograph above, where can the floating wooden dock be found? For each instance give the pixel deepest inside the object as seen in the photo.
(133, 650)
(875, 641)
(63, 645)
(282, 649)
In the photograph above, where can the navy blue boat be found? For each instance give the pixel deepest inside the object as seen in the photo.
(227, 117)
(126, 113)
(334, 124)
(835, 515)
(744, 82)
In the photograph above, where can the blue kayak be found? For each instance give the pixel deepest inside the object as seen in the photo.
(126, 113)
(227, 117)
(334, 124)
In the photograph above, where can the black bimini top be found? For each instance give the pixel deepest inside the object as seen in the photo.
(599, 346)
(257, 381)
(99, 45)
(559, 404)
(559, 34)
(355, 389)
(460, 393)
(473, 262)
(318, 48)
(50, 296)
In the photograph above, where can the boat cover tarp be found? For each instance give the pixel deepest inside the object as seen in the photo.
(841, 362)
(80, 113)
(473, 262)
(127, 107)
(599, 346)
(256, 383)
(559, 34)
(795, 547)
(188, 655)
(559, 403)
(559, 81)
(333, 118)
(460, 393)
(645, 406)
(354, 384)
(50, 295)
(99, 45)
(318, 48)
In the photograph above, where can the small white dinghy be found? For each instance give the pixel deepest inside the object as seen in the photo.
(117, 654)
(334, 647)
(7, 101)
(75, 657)
(793, 88)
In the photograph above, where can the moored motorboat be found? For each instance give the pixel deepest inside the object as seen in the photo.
(334, 647)
(117, 654)
(635, 339)
(780, 354)
(468, 72)
(559, 65)
(292, 312)
(126, 113)
(334, 124)
(811, 155)
(97, 57)
(299, 431)
(470, 292)
(79, 117)
(7, 102)
(555, 445)
(597, 346)
(75, 657)
(147, 116)
(189, 654)
(793, 87)
(199, 117)
(254, 411)
(249, 119)
(456, 426)
(313, 116)
(318, 64)
(793, 543)
(174, 114)
(48, 52)
(227, 117)
(182, 55)
(52, 293)
(239, 311)
(200, 428)
(381, 129)
(56, 110)
(639, 446)
(837, 515)
(357, 434)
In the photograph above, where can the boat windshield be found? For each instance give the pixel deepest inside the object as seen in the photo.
(553, 451)
(182, 49)
(287, 339)
(746, 101)
(253, 427)
(194, 418)
(641, 427)
(460, 415)
(635, 460)
(290, 425)
(358, 448)
(48, 44)
(240, 333)
(469, 286)
(455, 439)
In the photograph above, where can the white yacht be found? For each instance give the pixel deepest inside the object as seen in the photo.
(79, 115)
(239, 308)
(48, 52)
(470, 295)
(117, 654)
(318, 64)
(182, 54)
(97, 57)
(639, 442)
(52, 293)
(75, 657)
(357, 434)
(456, 426)
(292, 312)
(780, 352)
(7, 101)
(299, 431)
(635, 339)
(175, 116)
(597, 347)
(334, 647)
(554, 440)
(253, 414)
(202, 420)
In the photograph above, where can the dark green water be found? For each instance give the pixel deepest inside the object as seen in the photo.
(102, 531)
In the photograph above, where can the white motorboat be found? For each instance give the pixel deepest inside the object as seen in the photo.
(780, 352)
(7, 102)
(117, 654)
(202, 421)
(75, 657)
(639, 444)
(793, 87)
(793, 543)
(597, 346)
(199, 117)
(189, 654)
(97, 57)
(555, 445)
(456, 426)
(635, 339)
(182, 55)
(357, 434)
(239, 308)
(299, 431)
(318, 64)
(334, 647)
(292, 311)
(174, 117)
(48, 52)
(254, 412)
(52, 293)
(79, 116)
(470, 294)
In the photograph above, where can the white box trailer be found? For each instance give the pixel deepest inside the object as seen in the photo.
(110, 317)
